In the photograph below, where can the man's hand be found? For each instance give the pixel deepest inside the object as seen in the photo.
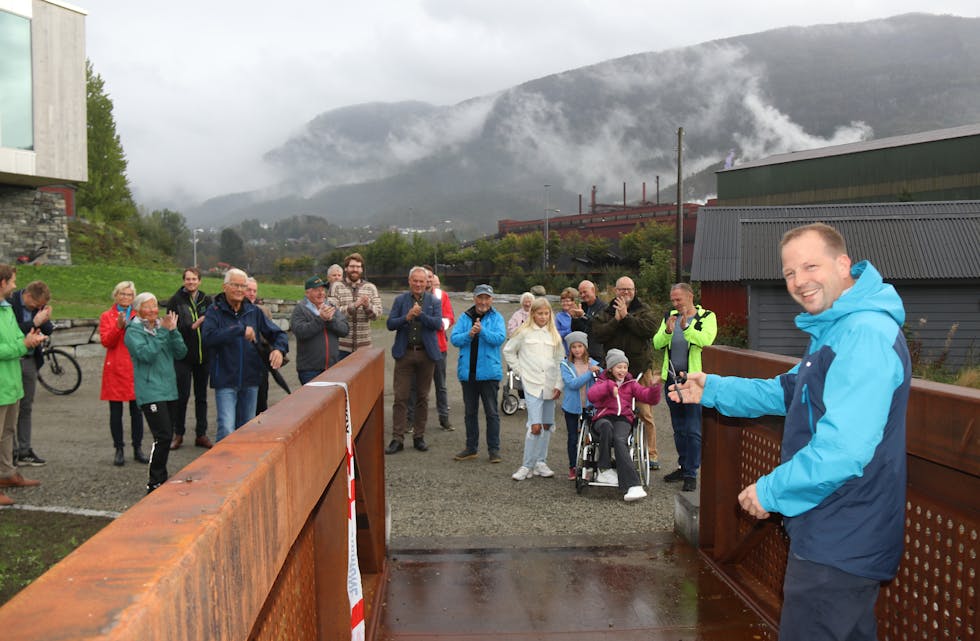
(33, 338)
(671, 321)
(413, 313)
(577, 311)
(621, 306)
(364, 301)
(275, 359)
(198, 322)
(689, 392)
(43, 315)
(749, 501)
(477, 327)
(327, 312)
(250, 333)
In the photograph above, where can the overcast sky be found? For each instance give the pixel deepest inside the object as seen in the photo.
(203, 88)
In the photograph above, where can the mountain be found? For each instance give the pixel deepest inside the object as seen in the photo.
(416, 164)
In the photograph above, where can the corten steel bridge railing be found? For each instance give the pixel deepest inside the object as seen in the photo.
(935, 594)
(249, 541)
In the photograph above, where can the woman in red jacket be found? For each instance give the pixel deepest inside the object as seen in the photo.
(117, 372)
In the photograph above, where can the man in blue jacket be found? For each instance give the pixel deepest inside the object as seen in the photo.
(841, 483)
(231, 331)
(479, 333)
(415, 316)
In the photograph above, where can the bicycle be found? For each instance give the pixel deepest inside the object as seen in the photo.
(59, 373)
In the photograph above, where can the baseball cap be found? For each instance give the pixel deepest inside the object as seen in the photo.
(482, 289)
(315, 281)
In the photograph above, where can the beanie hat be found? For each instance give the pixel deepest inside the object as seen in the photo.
(614, 357)
(576, 337)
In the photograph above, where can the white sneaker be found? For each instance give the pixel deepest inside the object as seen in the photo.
(541, 469)
(521, 474)
(635, 493)
(609, 477)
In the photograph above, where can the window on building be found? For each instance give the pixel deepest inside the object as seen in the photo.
(16, 121)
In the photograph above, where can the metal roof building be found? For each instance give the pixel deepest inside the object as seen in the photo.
(943, 164)
(929, 251)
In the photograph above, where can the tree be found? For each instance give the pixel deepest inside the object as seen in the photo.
(640, 243)
(232, 250)
(106, 196)
(167, 231)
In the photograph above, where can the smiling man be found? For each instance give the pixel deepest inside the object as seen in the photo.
(840, 485)
(415, 318)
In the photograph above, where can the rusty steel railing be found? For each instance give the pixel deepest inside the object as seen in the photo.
(934, 595)
(247, 542)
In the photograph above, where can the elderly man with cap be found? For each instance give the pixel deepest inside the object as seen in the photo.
(479, 333)
(318, 325)
(415, 318)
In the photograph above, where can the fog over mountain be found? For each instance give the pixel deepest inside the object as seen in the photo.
(616, 121)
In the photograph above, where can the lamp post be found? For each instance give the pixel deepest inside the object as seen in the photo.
(194, 241)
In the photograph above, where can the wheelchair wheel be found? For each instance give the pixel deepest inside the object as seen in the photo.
(580, 461)
(641, 456)
(509, 404)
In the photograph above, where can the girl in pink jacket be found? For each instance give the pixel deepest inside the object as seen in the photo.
(613, 395)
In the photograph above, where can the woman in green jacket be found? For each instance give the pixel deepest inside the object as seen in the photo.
(153, 344)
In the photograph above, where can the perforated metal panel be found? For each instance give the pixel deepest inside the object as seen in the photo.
(934, 595)
(766, 562)
(290, 611)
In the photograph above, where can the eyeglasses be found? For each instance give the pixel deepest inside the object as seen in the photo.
(237, 285)
(625, 289)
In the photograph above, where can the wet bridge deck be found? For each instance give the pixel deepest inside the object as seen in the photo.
(652, 587)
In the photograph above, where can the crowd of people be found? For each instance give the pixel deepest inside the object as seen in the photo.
(558, 357)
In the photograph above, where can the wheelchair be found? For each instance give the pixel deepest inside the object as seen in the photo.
(587, 460)
(513, 393)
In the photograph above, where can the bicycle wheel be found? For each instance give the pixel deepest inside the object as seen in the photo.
(60, 373)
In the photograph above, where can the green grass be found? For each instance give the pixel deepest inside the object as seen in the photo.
(34, 541)
(85, 291)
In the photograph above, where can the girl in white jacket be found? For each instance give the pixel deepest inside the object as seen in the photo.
(535, 353)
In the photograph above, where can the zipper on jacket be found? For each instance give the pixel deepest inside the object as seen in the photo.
(805, 399)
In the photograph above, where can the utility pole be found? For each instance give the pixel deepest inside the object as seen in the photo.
(547, 210)
(680, 205)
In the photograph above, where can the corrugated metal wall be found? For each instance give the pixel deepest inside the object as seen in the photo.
(941, 308)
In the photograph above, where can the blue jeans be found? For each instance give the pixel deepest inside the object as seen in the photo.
(821, 603)
(473, 393)
(236, 406)
(686, 419)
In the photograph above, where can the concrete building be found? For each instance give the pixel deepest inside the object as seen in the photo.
(42, 124)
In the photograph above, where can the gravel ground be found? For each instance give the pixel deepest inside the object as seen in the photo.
(429, 493)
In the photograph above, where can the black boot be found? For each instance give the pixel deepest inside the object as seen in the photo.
(138, 455)
(120, 457)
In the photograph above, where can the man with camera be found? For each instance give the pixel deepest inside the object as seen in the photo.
(628, 324)
(683, 333)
